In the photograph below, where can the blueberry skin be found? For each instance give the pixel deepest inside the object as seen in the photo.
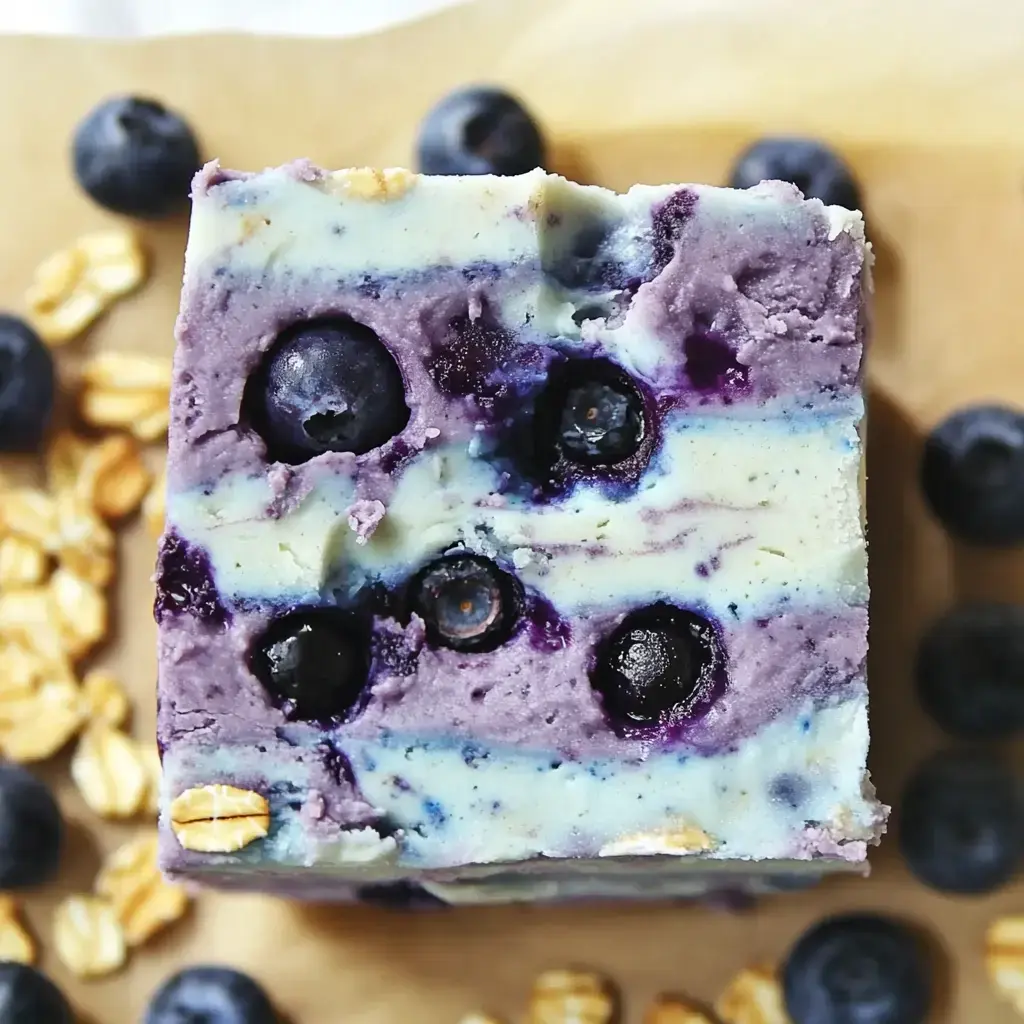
(315, 662)
(857, 969)
(26, 386)
(326, 386)
(970, 671)
(479, 130)
(134, 156)
(972, 474)
(27, 996)
(816, 170)
(210, 995)
(961, 823)
(31, 829)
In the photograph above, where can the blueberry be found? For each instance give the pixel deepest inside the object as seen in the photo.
(592, 412)
(961, 822)
(479, 130)
(970, 670)
(857, 969)
(26, 386)
(399, 896)
(210, 995)
(31, 829)
(27, 996)
(658, 659)
(466, 601)
(326, 386)
(136, 157)
(816, 170)
(315, 662)
(972, 474)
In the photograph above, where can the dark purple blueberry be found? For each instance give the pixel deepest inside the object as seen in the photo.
(591, 413)
(972, 474)
(479, 130)
(659, 659)
(326, 386)
(184, 582)
(26, 386)
(315, 662)
(961, 827)
(857, 969)
(970, 670)
(136, 157)
(31, 829)
(210, 995)
(466, 602)
(27, 996)
(818, 171)
(399, 896)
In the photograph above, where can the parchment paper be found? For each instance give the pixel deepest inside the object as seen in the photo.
(927, 101)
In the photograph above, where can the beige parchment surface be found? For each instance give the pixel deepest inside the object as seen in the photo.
(926, 100)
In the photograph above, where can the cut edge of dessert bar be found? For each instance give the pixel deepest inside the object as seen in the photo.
(515, 541)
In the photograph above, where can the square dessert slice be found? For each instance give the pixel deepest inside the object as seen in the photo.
(514, 546)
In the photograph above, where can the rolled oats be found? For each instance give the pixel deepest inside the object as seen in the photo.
(144, 902)
(107, 768)
(40, 705)
(81, 611)
(16, 944)
(675, 1010)
(570, 997)
(104, 697)
(73, 287)
(30, 513)
(154, 505)
(479, 1018)
(127, 391)
(219, 818)
(86, 546)
(88, 937)
(754, 996)
(29, 616)
(23, 562)
(1004, 959)
(112, 477)
(64, 457)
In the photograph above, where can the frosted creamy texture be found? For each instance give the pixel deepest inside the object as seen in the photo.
(505, 774)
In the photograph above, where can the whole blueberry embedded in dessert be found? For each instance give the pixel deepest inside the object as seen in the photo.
(659, 659)
(31, 829)
(26, 386)
(972, 474)
(27, 996)
(479, 130)
(818, 171)
(326, 386)
(970, 670)
(315, 662)
(210, 995)
(134, 156)
(466, 601)
(961, 822)
(591, 413)
(857, 969)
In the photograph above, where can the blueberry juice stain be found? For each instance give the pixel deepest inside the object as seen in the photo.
(185, 584)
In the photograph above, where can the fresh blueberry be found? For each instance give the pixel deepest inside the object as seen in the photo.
(210, 995)
(399, 896)
(479, 130)
(466, 602)
(315, 662)
(27, 996)
(326, 386)
(136, 157)
(970, 670)
(26, 386)
(31, 829)
(593, 412)
(857, 969)
(972, 474)
(658, 659)
(816, 170)
(961, 822)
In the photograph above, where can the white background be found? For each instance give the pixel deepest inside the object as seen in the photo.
(134, 18)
